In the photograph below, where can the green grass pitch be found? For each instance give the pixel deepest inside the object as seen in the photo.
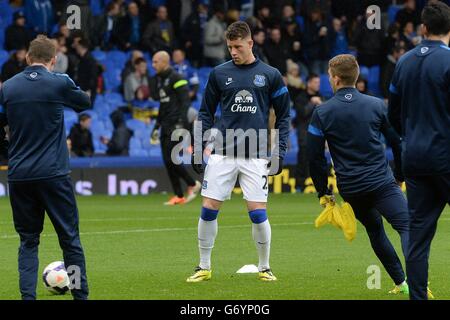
(136, 248)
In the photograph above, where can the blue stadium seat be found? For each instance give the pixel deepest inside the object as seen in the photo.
(143, 133)
(135, 125)
(97, 127)
(145, 142)
(4, 56)
(115, 99)
(113, 79)
(392, 12)
(108, 123)
(374, 80)
(138, 153)
(102, 109)
(364, 72)
(119, 58)
(99, 55)
(70, 115)
(135, 143)
(325, 87)
(300, 22)
(155, 151)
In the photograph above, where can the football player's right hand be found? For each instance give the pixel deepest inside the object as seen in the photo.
(327, 199)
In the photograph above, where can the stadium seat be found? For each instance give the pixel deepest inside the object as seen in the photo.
(364, 72)
(392, 12)
(4, 56)
(374, 80)
(300, 22)
(138, 153)
(135, 125)
(115, 99)
(325, 87)
(155, 151)
(119, 58)
(98, 127)
(99, 55)
(113, 79)
(143, 133)
(135, 143)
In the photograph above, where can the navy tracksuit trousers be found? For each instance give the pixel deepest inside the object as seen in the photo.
(30, 201)
(389, 202)
(427, 197)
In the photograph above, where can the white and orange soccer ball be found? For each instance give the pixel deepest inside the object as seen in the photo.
(55, 278)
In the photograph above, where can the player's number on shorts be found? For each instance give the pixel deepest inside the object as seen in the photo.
(265, 182)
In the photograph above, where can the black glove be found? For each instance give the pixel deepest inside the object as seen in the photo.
(278, 169)
(196, 166)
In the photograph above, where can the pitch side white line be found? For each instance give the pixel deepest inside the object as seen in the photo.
(13, 236)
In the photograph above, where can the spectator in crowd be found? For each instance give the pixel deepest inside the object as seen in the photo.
(323, 6)
(159, 34)
(193, 32)
(81, 137)
(264, 17)
(129, 29)
(136, 79)
(259, 38)
(119, 144)
(408, 14)
(408, 35)
(87, 71)
(183, 67)
(304, 106)
(295, 83)
(292, 36)
(129, 65)
(14, 65)
(39, 15)
(62, 62)
(340, 43)
(277, 51)
(17, 35)
(388, 68)
(392, 39)
(369, 43)
(142, 108)
(106, 25)
(362, 85)
(214, 49)
(318, 42)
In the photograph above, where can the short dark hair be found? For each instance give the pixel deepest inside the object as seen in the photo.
(42, 50)
(238, 29)
(312, 76)
(436, 17)
(83, 117)
(345, 67)
(138, 61)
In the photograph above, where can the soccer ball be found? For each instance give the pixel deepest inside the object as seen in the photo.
(55, 278)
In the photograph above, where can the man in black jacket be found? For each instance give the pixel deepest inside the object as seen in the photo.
(14, 65)
(119, 144)
(17, 35)
(81, 137)
(87, 71)
(173, 93)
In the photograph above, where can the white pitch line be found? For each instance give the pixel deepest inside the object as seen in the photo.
(13, 236)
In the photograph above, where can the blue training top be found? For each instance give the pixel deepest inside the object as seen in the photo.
(419, 108)
(352, 124)
(33, 106)
(245, 94)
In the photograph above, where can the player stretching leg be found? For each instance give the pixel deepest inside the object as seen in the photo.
(352, 124)
(245, 88)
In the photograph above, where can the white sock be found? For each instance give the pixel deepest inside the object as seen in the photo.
(207, 232)
(262, 235)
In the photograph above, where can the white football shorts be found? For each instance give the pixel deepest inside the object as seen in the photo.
(221, 173)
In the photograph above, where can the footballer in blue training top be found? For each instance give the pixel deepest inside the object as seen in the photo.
(245, 88)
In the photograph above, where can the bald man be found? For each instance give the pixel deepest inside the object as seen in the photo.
(172, 91)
